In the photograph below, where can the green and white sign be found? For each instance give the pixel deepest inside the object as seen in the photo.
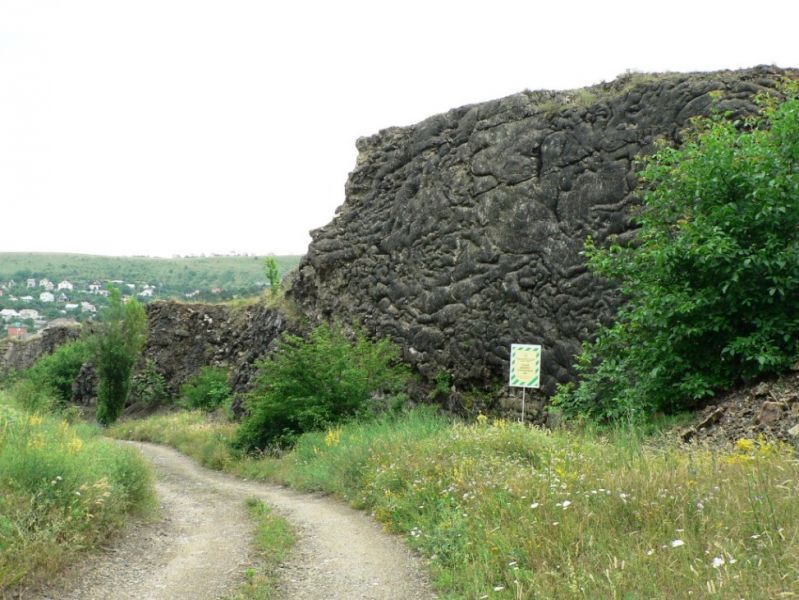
(525, 365)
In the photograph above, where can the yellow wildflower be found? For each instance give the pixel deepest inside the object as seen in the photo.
(333, 436)
(745, 445)
(36, 442)
(35, 420)
(75, 444)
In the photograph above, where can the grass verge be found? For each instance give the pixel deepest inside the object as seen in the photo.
(274, 538)
(507, 511)
(63, 489)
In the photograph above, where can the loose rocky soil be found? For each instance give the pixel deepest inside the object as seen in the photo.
(201, 546)
(769, 408)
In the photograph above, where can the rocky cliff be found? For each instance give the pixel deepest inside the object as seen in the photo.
(463, 233)
(183, 338)
(16, 355)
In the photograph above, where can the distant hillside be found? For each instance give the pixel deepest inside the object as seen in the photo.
(175, 274)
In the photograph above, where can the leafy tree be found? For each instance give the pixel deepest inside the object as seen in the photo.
(272, 275)
(712, 279)
(117, 347)
(313, 383)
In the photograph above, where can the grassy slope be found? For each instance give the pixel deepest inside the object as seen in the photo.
(506, 511)
(183, 273)
(63, 489)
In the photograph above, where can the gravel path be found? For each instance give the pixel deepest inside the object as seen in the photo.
(201, 546)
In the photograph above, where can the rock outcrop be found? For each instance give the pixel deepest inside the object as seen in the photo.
(183, 338)
(16, 355)
(767, 410)
(463, 234)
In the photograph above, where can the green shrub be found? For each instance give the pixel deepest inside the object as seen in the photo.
(207, 390)
(310, 384)
(32, 396)
(712, 278)
(57, 371)
(149, 386)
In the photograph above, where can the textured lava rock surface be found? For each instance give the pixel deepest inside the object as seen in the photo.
(183, 338)
(463, 234)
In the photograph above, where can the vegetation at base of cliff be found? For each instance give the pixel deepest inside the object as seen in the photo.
(208, 390)
(317, 382)
(117, 345)
(63, 490)
(47, 385)
(711, 279)
(274, 538)
(508, 511)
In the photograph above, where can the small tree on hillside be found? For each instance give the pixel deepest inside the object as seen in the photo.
(712, 279)
(117, 347)
(272, 275)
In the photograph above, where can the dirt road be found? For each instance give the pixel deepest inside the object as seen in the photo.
(201, 546)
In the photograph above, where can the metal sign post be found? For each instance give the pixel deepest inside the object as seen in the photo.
(525, 368)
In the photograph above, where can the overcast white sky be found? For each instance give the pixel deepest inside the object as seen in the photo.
(166, 127)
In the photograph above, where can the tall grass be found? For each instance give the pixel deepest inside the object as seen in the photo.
(196, 434)
(507, 511)
(62, 490)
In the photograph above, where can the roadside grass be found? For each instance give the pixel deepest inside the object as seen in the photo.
(273, 539)
(199, 435)
(509, 511)
(63, 489)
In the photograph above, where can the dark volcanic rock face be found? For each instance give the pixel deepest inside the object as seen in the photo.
(462, 234)
(183, 338)
(17, 355)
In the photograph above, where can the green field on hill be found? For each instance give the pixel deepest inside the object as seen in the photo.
(227, 272)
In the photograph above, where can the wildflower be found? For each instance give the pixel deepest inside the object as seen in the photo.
(499, 588)
(35, 420)
(333, 437)
(717, 562)
(650, 552)
(75, 444)
(677, 543)
(482, 419)
(745, 445)
(535, 505)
